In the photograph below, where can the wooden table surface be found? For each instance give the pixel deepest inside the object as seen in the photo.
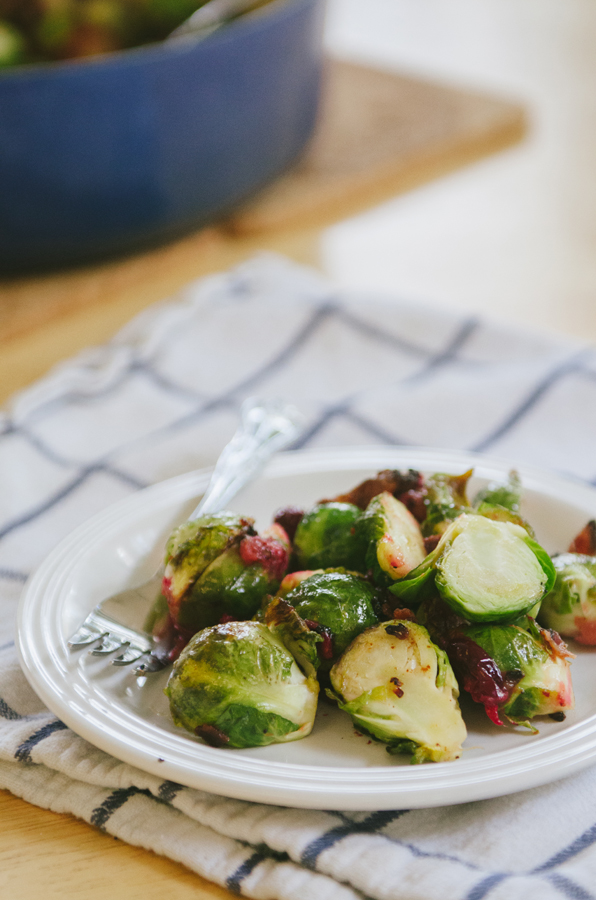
(418, 246)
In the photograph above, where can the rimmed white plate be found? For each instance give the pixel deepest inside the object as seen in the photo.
(334, 768)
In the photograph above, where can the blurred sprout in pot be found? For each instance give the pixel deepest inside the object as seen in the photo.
(218, 566)
(392, 537)
(399, 687)
(67, 29)
(12, 45)
(570, 607)
(236, 685)
(326, 538)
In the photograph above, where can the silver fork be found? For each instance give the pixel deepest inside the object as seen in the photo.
(112, 625)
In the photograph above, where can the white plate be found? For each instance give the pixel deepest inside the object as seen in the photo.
(334, 767)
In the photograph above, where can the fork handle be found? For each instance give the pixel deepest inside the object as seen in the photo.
(265, 427)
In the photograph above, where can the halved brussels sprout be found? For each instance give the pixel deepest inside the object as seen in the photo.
(338, 605)
(391, 534)
(570, 607)
(487, 571)
(236, 685)
(218, 566)
(516, 671)
(399, 687)
(536, 677)
(326, 537)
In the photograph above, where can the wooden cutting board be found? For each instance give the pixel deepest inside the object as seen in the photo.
(379, 133)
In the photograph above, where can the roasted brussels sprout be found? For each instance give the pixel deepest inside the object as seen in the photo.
(487, 571)
(516, 671)
(399, 687)
(218, 566)
(337, 605)
(445, 500)
(392, 537)
(570, 607)
(502, 502)
(506, 496)
(326, 538)
(236, 685)
(298, 637)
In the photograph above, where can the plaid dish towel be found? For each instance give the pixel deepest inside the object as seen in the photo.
(163, 398)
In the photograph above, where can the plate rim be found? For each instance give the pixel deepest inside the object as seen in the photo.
(266, 781)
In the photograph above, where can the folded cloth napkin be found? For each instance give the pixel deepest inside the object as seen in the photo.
(162, 398)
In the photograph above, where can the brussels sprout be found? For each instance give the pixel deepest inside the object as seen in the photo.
(283, 620)
(507, 496)
(391, 534)
(236, 685)
(570, 607)
(218, 566)
(445, 500)
(516, 671)
(502, 501)
(338, 605)
(326, 537)
(399, 687)
(534, 680)
(487, 571)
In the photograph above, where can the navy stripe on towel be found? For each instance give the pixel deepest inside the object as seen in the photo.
(112, 803)
(234, 881)
(168, 790)
(23, 751)
(369, 825)
(6, 711)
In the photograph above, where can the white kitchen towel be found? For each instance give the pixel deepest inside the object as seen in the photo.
(163, 398)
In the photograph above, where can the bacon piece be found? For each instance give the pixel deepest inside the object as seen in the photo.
(408, 487)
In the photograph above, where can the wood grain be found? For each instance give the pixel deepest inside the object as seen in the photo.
(43, 854)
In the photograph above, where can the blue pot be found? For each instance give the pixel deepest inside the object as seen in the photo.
(111, 154)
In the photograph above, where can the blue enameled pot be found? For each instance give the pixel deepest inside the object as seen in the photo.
(116, 153)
